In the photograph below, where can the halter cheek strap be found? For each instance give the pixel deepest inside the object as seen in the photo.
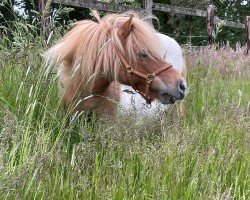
(148, 77)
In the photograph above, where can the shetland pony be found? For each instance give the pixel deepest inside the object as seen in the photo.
(131, 101)
(93, 57)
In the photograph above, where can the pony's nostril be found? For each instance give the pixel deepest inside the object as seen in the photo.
(182, 86)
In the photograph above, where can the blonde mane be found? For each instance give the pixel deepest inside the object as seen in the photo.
(90, 48)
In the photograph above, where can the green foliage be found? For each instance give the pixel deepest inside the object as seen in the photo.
(45, 154)
(235, 10)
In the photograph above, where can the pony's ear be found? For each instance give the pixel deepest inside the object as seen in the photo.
(125, 28)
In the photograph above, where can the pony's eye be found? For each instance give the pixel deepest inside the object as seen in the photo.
(142, 55)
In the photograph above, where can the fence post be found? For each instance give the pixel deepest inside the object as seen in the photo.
(44, 19)
(148, 8)
(210, 23)
(247, 33)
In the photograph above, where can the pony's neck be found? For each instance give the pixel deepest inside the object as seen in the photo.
(100, 86)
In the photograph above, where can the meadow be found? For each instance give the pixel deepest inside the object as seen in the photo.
(44, 154)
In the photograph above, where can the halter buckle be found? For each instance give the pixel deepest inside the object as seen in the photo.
(129, 69)
(150, 78)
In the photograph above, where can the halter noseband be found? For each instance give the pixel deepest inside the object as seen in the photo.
(148, 77)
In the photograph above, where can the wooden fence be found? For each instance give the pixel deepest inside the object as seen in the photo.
(149, 6)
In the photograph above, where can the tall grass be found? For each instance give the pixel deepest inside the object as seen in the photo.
(45, 155)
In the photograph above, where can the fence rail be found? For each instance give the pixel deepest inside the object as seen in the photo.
(179, 10)
(111, 7)
(225, 22)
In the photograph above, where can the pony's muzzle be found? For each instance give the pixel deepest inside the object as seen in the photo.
(182, 88)
(170, 96)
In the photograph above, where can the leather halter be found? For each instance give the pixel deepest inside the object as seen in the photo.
(148, 77)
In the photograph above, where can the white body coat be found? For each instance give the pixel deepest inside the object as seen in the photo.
(132, 102)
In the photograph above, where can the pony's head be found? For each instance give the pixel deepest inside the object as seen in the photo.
(118, 47)
(142, 67)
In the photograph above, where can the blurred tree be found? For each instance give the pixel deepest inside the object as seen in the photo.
(6, 16)
(181, 27)
(186, 29)
(29, 7)
(235, 10)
